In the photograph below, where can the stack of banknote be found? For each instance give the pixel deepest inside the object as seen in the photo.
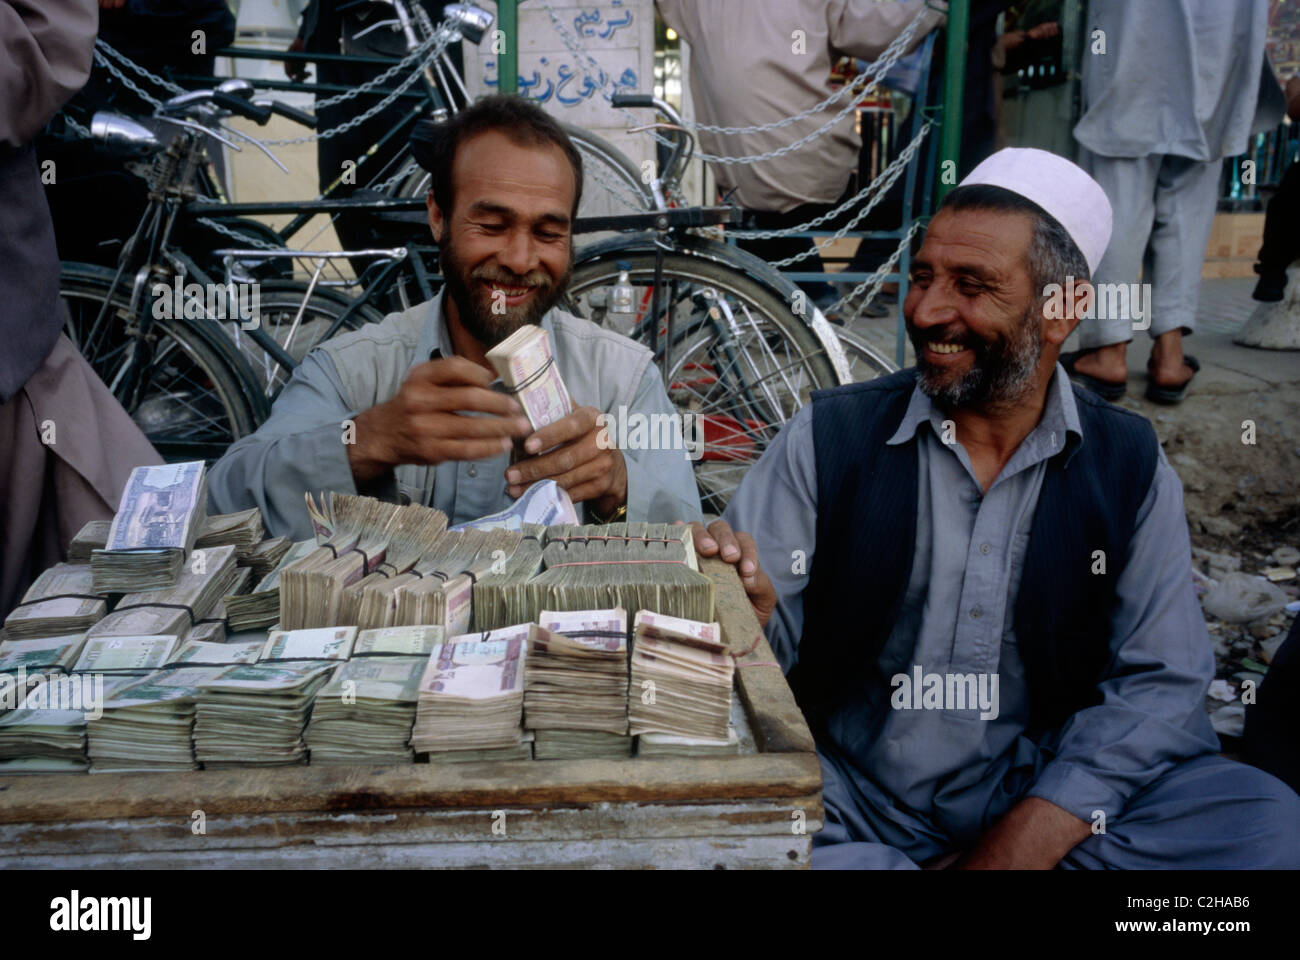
(501, 594)
(412, 533)
(126, 654)
(255, 713)
(398, 641)
(575, 690)
(147, 723)
(207, 653)
(526, 365)
(440, 588)
(42, 741)
(636, 566)
(213, 627)
(670, 745)
(91, 537)
(242, 530)
(62, 600)
(365, 712)
(471, 695)
(161, 512)
(260, 607)
(41, 653)
(265, 556)
(314, 643)
(681, 678)
(175, 609)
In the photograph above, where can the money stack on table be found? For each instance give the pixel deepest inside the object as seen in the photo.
(260, 607)
(471, 698)
(575, 691)
(636, 566)
(157, 521)
(681, 678)
(365, 712)
(42, 741)
(62, 600)
(526, 365)
(501, 594)
(147, 723)
(173, 609)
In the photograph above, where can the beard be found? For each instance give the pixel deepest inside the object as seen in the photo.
(1002, 374)
(474, 301)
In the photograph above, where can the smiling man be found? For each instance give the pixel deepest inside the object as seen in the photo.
(432, 423)
(978, 580)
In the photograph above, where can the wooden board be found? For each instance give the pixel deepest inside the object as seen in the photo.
(742, 810)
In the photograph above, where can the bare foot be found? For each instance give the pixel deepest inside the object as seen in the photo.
(1107, 364)
(1166, 367)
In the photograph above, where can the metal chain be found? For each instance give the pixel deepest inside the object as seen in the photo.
(76, 128)
(405, 63)
(126, 61)
(127, 81)
(876, 280)
(241, 237)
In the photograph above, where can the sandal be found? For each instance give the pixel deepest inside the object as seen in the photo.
(1172, 395)
(1106, 389)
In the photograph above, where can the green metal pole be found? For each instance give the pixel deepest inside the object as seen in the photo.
(954, 89)
(508, 61)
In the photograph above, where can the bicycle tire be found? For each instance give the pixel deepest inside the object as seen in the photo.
(744, 382)
(282, 298)
(199, 396)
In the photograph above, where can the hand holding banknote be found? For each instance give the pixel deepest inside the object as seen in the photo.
(575, 460)
(737, 548)
(426, 423)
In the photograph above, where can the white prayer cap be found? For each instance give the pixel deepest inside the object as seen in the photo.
(1060, 187)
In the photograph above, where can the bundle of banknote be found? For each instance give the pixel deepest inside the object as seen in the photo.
(471, 696)
(355, 534)
(365, 712)
(126, 655)
(207, 653)
(543, 504)
(314, 643)
(580, 745)
(213, 627)
(523, 750)
(413, 532)
(265, 556)
(526, 365)
(42, 741)
(398, 641)
(681, 678)
(636, 566)
(440, 587)
(41, 653)
(260, 607)
(175, 609)
(255, 713)
(670, 745)
(577, 681)
(147, 723)
(162, 510)
(91, 537)
(62, 600)
(501, 595)
(242, 530)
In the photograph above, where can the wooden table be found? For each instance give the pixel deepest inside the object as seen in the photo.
(754, 809)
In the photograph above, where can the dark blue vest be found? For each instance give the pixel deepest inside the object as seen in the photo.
(866, 535)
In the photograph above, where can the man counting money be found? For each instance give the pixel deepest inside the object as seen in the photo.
(405, 409)
(978, 579)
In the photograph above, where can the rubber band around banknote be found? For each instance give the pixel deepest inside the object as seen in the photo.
(533, 377)
(172, 606)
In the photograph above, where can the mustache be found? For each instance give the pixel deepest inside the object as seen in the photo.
(493, 273)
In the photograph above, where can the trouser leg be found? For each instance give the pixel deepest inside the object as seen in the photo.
(847, 841)
(1207, 813)
(1187, 194)
(1130, 185)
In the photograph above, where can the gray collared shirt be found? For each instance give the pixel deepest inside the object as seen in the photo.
(922, 780)
(301, 446)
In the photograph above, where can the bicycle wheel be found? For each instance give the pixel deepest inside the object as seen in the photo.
(740, 361)
(611, 182)
(865, 362)
(195, 398)
(297, 323)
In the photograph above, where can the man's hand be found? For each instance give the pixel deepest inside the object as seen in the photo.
(421, 424)
(738, 548)
(1034, 835)
(579, 464)
(295, 70)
